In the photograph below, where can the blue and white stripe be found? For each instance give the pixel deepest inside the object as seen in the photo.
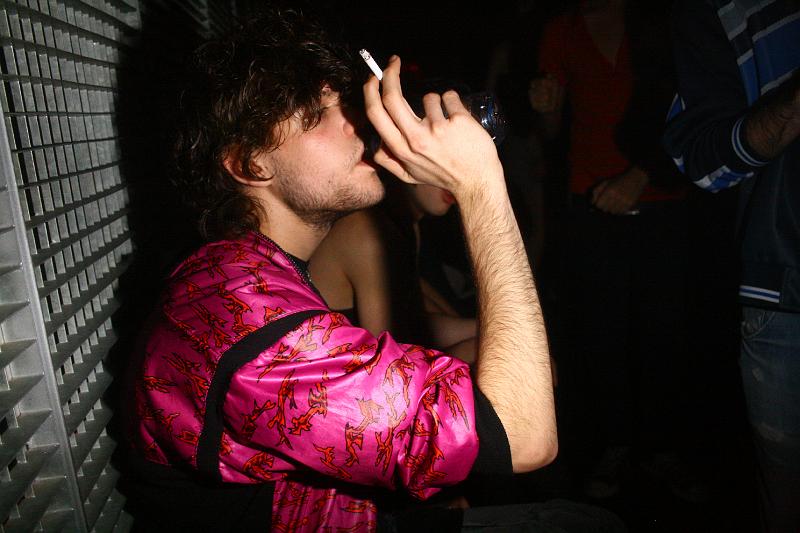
(759, 293)
(738, 146)
(774, 27)
(722, 178)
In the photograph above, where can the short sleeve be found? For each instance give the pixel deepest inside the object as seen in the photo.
(332, 398)
(494, 451)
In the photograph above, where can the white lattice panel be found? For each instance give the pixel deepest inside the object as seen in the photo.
(64, 242)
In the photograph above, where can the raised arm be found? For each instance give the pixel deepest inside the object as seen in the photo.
(455, 153)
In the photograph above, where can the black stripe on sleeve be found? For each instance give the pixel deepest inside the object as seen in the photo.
(244, 351)
(494, 452)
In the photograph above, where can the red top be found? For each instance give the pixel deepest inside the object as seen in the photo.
(598, 93)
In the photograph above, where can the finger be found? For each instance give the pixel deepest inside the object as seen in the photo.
(432, 103)
(619, 204)
(598, 191)
(387, 160)
(379, 117)
(453, 104)
(394, 102)
(400, 86)
(602, 204)
(626, 205)
(605, 201)
(615, 207)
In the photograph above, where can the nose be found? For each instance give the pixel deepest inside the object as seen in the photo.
(372, 141)
(357, 124)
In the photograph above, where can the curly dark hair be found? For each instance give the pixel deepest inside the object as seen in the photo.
(240, 87)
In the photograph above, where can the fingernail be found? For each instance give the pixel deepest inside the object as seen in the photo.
(393, 57)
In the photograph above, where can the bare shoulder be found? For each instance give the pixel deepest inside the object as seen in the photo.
(352, 240)
(358, 234)
(331, 266)
(363, 224)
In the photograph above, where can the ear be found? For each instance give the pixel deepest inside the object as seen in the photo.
(261, 173)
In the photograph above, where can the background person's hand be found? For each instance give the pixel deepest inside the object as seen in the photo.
(454, 153)
(545, 94)
(620, 194)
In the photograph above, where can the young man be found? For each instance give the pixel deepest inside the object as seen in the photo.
(256, 404)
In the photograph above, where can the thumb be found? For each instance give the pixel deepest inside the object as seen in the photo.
(598, 189)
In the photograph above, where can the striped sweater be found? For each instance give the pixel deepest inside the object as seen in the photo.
(729, 54)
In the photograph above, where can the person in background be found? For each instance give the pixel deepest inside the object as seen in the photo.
(366, 268)
(606, 69)
(736, 122)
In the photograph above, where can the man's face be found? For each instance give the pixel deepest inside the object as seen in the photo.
(320, 174)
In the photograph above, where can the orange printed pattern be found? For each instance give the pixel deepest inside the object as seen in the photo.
(328, 403)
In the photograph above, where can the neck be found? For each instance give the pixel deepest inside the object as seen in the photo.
(292, 233)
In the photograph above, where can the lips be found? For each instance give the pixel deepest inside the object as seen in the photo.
(448, 198)
(367, 158)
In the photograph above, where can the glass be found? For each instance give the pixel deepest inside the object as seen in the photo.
(486, 110)
(482, 105)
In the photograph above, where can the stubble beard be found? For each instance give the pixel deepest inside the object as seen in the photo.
(320, 209)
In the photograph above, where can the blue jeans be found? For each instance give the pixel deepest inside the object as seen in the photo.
(770, 365)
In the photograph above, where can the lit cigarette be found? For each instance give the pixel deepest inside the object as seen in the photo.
(373, 66)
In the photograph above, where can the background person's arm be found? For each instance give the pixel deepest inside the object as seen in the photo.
(774, 121)
(447, 326)
(455, 153)
(714, 135)
(546, 93)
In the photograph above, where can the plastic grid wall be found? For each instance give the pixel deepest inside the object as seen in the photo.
(64, 242)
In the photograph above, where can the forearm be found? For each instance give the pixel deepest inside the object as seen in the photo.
(513, 367)
(774, 123)
(455, 153)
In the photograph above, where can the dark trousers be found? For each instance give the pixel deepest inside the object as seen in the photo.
(554, 516)
(625, 290)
